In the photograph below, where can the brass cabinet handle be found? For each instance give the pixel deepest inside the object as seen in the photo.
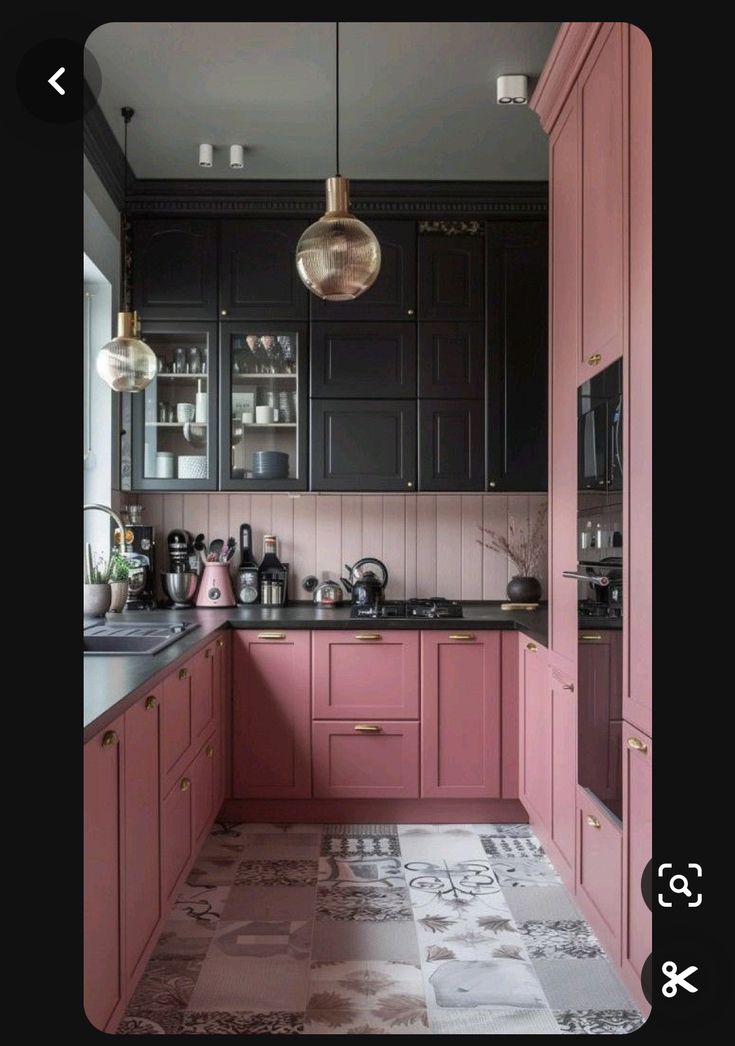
(532, 647)
(589, 639)
(223, 312)
(593, 822)
(637, 745)
(568, 686)
(209, 751)
(183, 673)
(220, 642)
(271, 635)
(367, 728)
(151, 703)
(368, 635)
(410, 311)
(594, 359)
(462, 635)
(109, 738)
(185, 784)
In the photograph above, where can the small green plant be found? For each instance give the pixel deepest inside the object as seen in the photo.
(119, 567)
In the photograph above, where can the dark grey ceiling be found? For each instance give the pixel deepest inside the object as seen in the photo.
(417, 98)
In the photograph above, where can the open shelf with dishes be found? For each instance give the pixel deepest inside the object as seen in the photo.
(263, 406)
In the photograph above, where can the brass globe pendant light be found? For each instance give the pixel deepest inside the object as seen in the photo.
(338, 257)
(126, 363)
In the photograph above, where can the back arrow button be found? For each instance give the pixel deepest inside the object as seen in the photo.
(53, 80)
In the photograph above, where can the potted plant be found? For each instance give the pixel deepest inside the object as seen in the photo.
(524, 547)
(97, 591)
(119, 574)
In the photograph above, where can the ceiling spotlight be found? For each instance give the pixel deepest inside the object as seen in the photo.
(206, 155)
(512, 90)
(237, 157)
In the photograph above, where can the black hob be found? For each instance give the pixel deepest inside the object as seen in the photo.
(436, 607)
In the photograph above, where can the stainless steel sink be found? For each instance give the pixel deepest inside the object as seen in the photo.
(133, 639)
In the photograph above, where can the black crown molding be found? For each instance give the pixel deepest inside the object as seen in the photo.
(370, 199)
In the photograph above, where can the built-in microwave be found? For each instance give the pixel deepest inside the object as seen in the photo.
(600, 434)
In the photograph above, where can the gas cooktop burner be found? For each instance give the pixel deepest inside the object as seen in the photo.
(436, 607)
(589, 608)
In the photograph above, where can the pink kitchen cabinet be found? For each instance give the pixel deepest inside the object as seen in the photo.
(600, 712)
(637, 434)
(603, 103)
(222, 719)
(202, 773)
(176, 727)
(599, 871)
(271, 752)
(563, 773)
(565, 297)
(535, 735)
(141, 828)
(365, 674)
(637, 847)
(176, 836)
(366, 760)
(103, 974)
(203, 709)
(460, 714)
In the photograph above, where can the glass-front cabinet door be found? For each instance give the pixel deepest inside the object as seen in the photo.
(263, 406)
(174, 444)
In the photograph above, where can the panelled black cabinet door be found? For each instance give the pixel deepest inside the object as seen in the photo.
(175, 268)
(258, 278)
(363, 444)
(363, 359)
(452, 360)
(451, 445)
(450, 277)
(517, 325)
(393, 295)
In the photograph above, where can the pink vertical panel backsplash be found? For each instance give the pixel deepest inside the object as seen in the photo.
(427, 541)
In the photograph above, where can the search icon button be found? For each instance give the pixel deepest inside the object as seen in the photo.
(684, 888)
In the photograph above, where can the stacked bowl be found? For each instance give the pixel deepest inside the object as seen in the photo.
(270, 464)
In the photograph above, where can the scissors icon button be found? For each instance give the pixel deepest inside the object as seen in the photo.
(677, 980)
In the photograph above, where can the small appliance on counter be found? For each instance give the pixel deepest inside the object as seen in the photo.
(141, 556)
(272, 575)
(247, 576)
(366, 587)
(215, 586)
(434, 607)
(180, 587)
(327, 594)
(179, 550)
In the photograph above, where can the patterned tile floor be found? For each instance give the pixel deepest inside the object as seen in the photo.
(376, 929)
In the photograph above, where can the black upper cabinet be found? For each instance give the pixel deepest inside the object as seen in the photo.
(363, 444)
(451, 445)
(363, 359)
(450, 277)
(393, 295)
(175, 276)
(258, 278)
(452, 360)
(517, 326)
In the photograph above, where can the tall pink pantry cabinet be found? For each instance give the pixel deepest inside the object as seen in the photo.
(594, 100)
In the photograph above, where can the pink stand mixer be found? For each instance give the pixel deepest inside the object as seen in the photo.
(215, 586)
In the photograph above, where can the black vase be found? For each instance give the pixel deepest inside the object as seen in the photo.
(524, 590)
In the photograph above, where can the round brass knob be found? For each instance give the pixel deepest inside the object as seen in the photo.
(637, 745)
(411, 312)
(183, 673)
(151, 702)
(409, 484)
(223, 312)
(491, 483)
(594, 359)
(209, 751)
(593, 822)
(220, 642)
(109, 738)
(532, 647)
(185, 784)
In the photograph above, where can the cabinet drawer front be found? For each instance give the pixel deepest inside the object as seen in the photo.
(363, 444)
(176, 736)
(176, 838)
(202, 773)
(203, 708)
(460, 743)
(355, 677)
(368, 760)
(371, 359)
(600, 864)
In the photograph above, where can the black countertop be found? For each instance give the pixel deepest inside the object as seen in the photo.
(111, 683)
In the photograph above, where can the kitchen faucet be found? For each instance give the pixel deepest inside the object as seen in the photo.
(109, 511)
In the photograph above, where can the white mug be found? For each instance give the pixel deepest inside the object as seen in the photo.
(247, 418)
(185, 412)
(263, 415)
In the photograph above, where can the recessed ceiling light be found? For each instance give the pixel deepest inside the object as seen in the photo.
(237, 157)
(512, 90)
(206, 155)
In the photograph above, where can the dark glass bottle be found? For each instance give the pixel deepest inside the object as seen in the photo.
(248, 586)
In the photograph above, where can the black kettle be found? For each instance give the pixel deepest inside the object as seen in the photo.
(366, 586)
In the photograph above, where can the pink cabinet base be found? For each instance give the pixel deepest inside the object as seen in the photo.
(599, 872)
(372, 760)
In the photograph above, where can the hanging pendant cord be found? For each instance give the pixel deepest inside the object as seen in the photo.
(336, 63)
(127, 114)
